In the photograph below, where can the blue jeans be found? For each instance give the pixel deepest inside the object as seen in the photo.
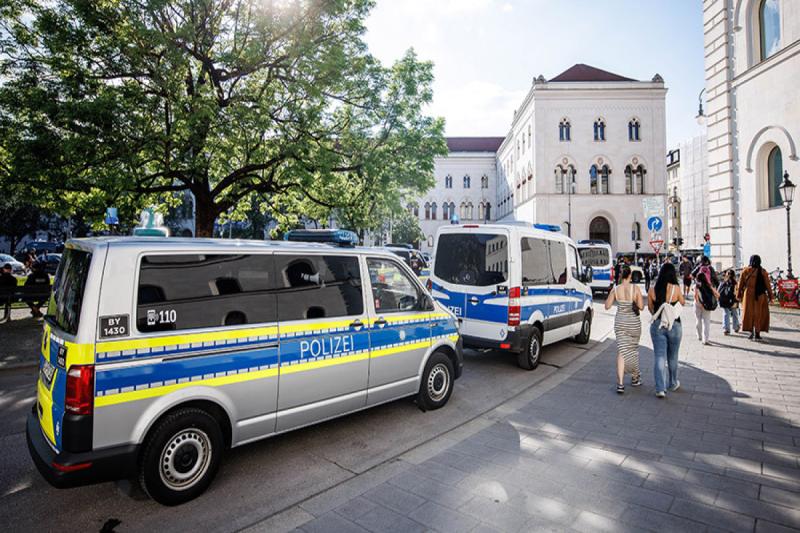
(731, 315)
(665, 348)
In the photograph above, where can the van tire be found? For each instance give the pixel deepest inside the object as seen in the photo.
(436, 384)
(196, 435)
(528, 358)
(586, 329)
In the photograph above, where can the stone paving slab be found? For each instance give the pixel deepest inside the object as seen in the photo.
(720, 454)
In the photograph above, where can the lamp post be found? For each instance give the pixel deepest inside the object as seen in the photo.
(571, 178)
(787, 192)
(701, 116)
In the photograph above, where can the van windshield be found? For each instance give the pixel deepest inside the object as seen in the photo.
(66, 300)
(476, 259)
(595, 257)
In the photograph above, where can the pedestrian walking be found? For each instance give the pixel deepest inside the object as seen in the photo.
(646, 270)
(755, 293)
(728, 302)
(665, 301)
(627, 328)
(706, 299)
(686, 274)
(705, 266)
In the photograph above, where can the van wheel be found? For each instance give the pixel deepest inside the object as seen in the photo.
(586, 329)
(437, 382)
(529, 357)
(181, 456)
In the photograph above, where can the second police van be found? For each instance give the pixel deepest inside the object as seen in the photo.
(513, 287)
(158, 354)
(598, 255)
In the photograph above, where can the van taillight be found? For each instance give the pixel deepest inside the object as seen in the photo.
(612, 273)
(80, 390)
(513, 306)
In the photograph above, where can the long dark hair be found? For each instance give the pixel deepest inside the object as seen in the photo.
(755, 261)
(666, 275)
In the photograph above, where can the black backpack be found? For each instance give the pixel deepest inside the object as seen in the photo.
(707, 298)
(727, 298)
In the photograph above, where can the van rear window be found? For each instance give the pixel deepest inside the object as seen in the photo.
(475, 259)
(595, 257)
(66, 300)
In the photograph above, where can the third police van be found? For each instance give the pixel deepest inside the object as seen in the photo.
(513, 287)
(598, 255)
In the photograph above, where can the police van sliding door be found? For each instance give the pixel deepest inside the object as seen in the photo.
(324, 342)
(400, 331)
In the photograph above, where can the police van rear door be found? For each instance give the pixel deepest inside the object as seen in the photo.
(471, 278)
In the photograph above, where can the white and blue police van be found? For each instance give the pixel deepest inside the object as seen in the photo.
(598, 255)
(513, 287)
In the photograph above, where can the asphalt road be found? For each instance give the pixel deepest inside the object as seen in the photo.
(260, 479)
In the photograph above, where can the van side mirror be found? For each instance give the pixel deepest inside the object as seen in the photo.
(426, 302)
(586, 275)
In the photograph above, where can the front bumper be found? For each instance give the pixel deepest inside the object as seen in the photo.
(67, 469)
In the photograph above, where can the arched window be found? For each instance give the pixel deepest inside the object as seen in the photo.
(463, 210)
(638, 179)
(448, 182)
(480, 210)
(445, 213)
(452, 209)
(427, 211)
(599, 130)
(564, 130)
(466, 181)
(636, 232)
(604, 172)
(774, 176)
(433, 211)
(600, 229)
(484, 182)
(593, 179)
(487, 213)
(769, 27)
(633, 130)
(413, 208)
(469, 211)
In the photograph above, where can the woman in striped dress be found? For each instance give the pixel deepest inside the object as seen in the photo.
(627, 328)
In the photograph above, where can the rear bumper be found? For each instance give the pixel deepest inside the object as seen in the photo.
(514, 341)
(67, 469)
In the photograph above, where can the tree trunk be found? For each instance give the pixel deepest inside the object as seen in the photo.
(205, 213)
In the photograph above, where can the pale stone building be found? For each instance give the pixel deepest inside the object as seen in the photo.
(752, 62)
(466, 184)
(687, 193)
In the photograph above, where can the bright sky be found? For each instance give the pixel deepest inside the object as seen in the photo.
(487, 52)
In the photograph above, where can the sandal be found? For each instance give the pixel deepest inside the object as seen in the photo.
(620, 389)
(636, 382)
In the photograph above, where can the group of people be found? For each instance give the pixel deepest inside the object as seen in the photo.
(37, 277)
(665, 301)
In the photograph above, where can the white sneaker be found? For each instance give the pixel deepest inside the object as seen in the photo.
(675, 387)
(706, 343)
(661, 394)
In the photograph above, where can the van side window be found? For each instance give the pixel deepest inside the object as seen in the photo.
(203, 291)
(392, 289)
(318, 286)
(574, 262)
(536, 268)
(558, 262)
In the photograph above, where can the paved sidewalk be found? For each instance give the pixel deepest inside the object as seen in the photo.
(19, 340)
(719, 454)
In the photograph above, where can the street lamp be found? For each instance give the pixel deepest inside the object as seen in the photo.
(570, 191)
(787, 192)
(701, 117)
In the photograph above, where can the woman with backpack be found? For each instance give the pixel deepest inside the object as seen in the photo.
(665, 301)
(627, 328)
(728, 302)
(755, 293)
(705, 301)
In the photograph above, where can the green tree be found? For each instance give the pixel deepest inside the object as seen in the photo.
(236, 101)
(405, 228)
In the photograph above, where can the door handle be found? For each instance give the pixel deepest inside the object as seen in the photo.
(473, 300)
(380, 322)
(356, 323)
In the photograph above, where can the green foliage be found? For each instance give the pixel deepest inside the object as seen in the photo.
(405, 228)
(280, 104)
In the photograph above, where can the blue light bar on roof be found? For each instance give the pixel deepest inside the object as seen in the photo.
(342, 237)
(548, 227)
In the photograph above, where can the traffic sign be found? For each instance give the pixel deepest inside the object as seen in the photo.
(655, 223)
(656, 245)
(111, 216)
